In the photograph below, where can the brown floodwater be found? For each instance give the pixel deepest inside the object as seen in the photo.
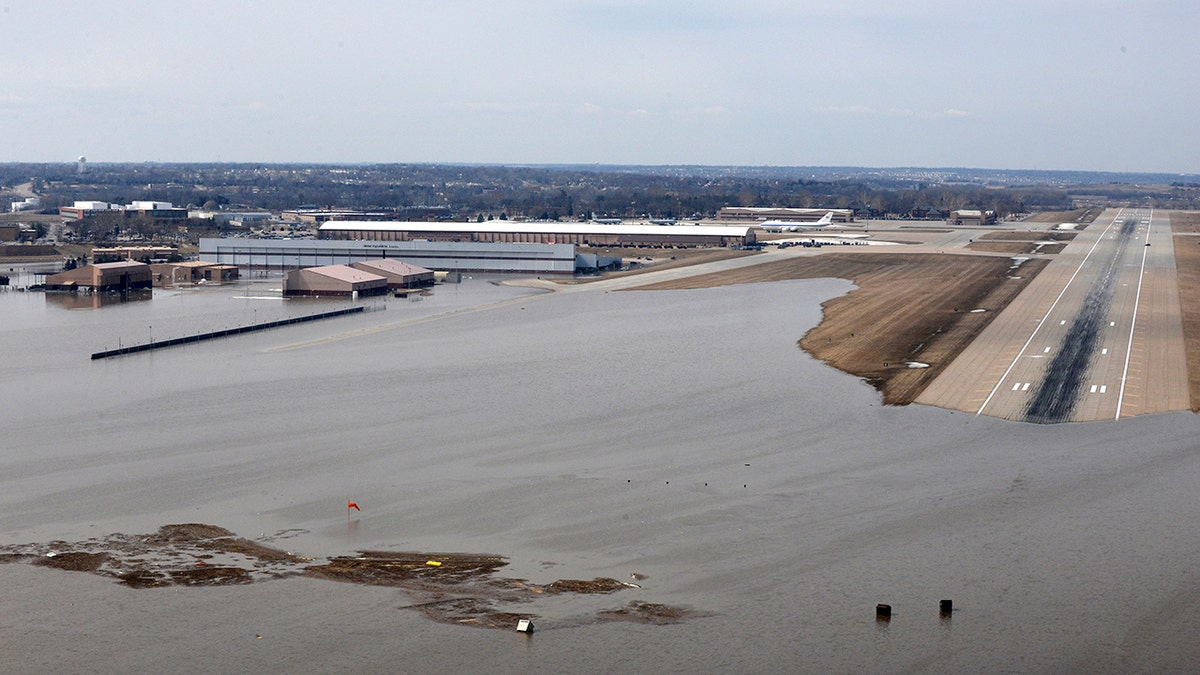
(761, 503)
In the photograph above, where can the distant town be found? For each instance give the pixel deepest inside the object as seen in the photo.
(469, 217)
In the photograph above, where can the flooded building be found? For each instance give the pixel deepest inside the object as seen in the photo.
(435, 255)
(333, 280)
(504, 231)
(114, 276)
(398, 274)
(193, 272)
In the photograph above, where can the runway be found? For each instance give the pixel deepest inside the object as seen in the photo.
(1098, 335)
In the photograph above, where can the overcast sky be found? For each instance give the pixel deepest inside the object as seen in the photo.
(1074, 84)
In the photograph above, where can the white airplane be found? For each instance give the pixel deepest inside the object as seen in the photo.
(605, 221)
(795, 226)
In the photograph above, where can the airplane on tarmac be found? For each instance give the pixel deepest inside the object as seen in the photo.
(795, 226)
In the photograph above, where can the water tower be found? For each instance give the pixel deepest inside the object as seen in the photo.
(81, 164)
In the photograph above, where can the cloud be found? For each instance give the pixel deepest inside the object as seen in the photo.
(867, 111)
(494, 106)
(851, 110)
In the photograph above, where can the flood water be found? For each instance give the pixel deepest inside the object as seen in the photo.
(679, 435)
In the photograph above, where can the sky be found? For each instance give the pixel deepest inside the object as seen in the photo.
(1105, 85)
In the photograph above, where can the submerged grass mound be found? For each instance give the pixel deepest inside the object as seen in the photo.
(456, 588)
(384, 568)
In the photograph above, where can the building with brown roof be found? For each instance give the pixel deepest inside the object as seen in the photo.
(972, 217)
(399, 274)
(333, 280)
(141, 253)
(114, 276)
(192, 272)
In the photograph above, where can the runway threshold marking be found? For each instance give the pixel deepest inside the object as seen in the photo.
(1040, 323)
(1132, 325)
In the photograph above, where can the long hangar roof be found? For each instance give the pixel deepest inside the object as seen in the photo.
(535, 228)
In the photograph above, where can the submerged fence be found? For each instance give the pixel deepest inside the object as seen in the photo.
(148, 346)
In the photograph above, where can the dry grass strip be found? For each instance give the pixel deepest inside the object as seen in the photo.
(1187, 270)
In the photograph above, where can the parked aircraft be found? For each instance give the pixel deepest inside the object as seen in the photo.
(606, 221)
(795, 226)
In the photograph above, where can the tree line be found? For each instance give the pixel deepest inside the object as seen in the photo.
(554, 192)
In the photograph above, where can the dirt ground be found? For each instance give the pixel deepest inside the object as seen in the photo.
(1185, 222)
(1085, 215)
(911, 315)
(1029, 236)
(1011, 247)
(1187, 266)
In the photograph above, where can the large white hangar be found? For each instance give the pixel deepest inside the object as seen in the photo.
(442, 256)
(505, 231)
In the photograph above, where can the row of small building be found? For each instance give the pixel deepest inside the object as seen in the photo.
(128, 275)
(371, 277)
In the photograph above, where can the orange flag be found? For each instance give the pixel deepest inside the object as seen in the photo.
(352, 505)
